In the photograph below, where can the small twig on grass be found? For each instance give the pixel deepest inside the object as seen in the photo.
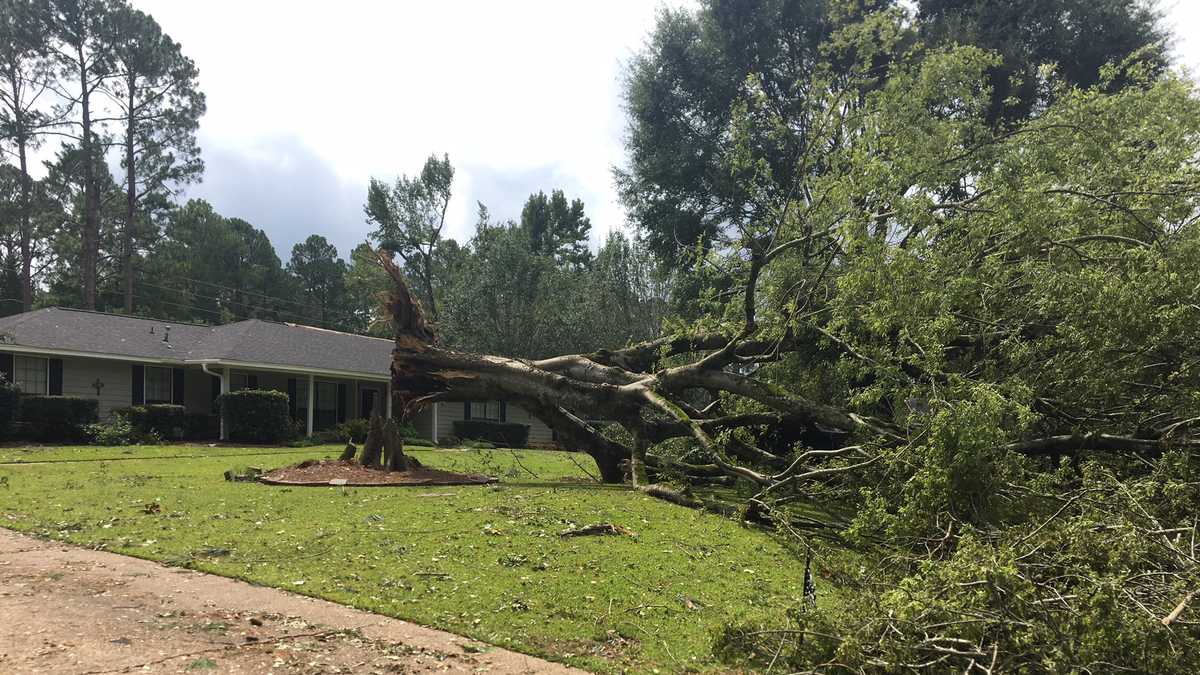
(517, 459)
(582, 468)
(597, 529)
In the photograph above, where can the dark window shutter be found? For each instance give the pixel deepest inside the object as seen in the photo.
(503, 411)
(252, 382)
(138, 382)
(466, 410)
(56, 374)
(6, 366)
(292, 393)
(341, 402)
(177, 386)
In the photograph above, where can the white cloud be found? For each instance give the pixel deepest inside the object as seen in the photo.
(516, 92)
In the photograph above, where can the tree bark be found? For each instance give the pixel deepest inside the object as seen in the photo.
(91, 222)
(130, 197)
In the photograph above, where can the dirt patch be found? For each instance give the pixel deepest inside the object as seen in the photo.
(68, 610)
(334, 472)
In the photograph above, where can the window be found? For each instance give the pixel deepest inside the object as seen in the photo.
(31, 374)
(300, 404)
(486, 410)
(158, 384)
(325, 415)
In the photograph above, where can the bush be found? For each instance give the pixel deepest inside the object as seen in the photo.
(256, 416)
(119, 431)
(9, 401)
(58, 418)
(503, 434)
(167, 421)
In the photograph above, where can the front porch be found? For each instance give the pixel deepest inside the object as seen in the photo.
(318, 399)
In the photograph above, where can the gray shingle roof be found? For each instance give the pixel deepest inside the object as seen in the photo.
(252, 341)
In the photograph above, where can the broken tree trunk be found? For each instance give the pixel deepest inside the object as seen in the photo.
(394, 446)
(372, 451)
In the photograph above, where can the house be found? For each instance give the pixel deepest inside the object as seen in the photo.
(123, 360)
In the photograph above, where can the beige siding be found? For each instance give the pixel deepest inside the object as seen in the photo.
(448, 413)
(79, 376)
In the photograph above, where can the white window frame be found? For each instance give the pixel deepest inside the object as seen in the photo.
(146, 386)
(45, 373)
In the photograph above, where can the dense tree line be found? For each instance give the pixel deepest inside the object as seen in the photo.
(104, 84)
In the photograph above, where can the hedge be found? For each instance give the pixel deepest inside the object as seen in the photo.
(9, 402)
(58, 418)
(256, 415)
(505, 434)
(168, 421)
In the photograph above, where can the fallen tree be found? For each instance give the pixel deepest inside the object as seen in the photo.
(980, 348)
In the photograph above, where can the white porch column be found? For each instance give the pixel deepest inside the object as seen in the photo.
(433, 429)
(312, 397)
(389, 399)
(224, 390)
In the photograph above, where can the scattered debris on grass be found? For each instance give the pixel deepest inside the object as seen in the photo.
(598, 529)
(250, 475)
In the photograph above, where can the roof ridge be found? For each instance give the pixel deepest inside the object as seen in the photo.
(120, 316)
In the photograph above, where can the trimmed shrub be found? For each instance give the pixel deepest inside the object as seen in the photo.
(256, 415)
(165, 420)
(58, 418)
(503, 434)
(9, 401)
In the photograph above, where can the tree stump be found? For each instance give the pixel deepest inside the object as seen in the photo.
(394, 445)
(349, 452)
(372, 451)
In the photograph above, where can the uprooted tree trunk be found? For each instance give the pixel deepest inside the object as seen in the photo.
(641, 389)
(629, 387)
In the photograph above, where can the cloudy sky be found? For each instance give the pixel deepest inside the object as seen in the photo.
(307, 100)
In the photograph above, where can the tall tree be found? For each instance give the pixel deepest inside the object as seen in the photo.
(155, 91)
(680, 184)
(556, 228)
(84, 49)
(410, 216)
(367, 285)
(213, 269)
(322, 278)
(24, 77)
(1076, 37)
(28, 218)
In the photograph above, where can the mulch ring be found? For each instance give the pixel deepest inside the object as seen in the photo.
(328, 472)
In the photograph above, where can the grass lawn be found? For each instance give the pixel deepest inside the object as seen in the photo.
(486, 562)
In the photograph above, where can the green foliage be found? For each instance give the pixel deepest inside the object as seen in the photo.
(556, 229)
(57, 418)
(509, 300)
(256, 415)
(504, 434)
(1076, 580)
(164, 420)
(322, 279)
(410, 216)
